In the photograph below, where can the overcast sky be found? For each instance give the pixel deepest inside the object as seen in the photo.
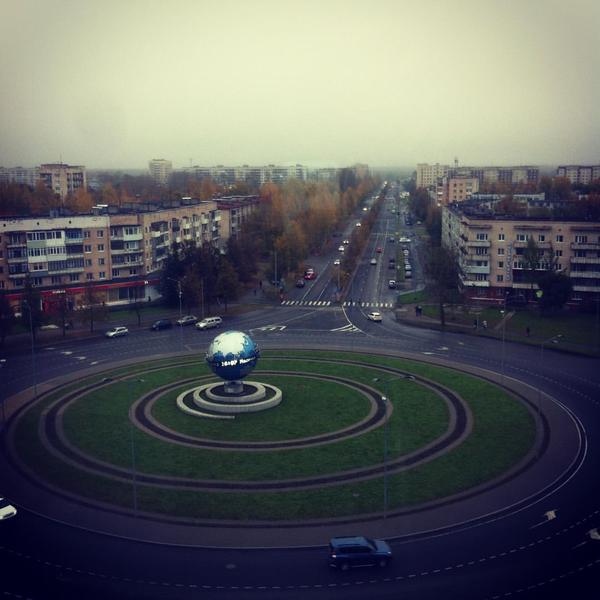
(325, 82)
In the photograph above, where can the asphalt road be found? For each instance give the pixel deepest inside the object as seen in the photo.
(521, 554)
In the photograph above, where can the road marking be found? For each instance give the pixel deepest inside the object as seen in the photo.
(550, 516)
(594, 534)
(80, 357)
(67, 352)
(271, 328)
(346, 328)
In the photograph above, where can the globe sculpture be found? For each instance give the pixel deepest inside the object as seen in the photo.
(232, 356)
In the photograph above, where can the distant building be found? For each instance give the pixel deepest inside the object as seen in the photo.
(456, 189)
(21, 175)
(63, 179)
(160, 170)
(254, 176)
(428, 175)
(579, 174)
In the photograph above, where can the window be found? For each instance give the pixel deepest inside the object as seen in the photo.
(88, 262)
(38, 267)
(541, 237)
(500, 264)
(559, 238)
(56, 279)
(500, 251)
(87, 248)
(115, 272)
(100, 262)
(558, 253)
(37, 280)
(481, 251)
(481, 263)
(522, 237)
(87, 234)
(100, 233)
(133, 271)
(499, 278)
(100, 247)
(480, 277)
(1, 285)
(102, 275)
(89, 276)
(580, 253)
(500, 237)
(581, 239)
(481, 236)
(73, 277)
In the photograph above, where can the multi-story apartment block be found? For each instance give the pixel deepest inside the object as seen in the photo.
(63, 179)
(255, 176)
(456, 189)
(235, 210)
(160, 170)
(120, 254)
(508, 175)
(428, 175)
(21, 175)
(579, 174)
(490, 251)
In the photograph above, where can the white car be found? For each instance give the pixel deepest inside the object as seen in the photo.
(373, 261)
(374, 316)
(116, 332)
(346, 242)
(359, 224)
(336, 261)
(6, 510)
(187, 320)
(342, 249)
(209, 323)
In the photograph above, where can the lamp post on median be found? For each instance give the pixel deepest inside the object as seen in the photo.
(33, 366)
(180, 294)
(132, 446)
(553, 340)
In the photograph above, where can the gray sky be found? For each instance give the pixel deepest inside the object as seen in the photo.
(325, 82)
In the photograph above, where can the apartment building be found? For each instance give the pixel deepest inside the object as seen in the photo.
(253, 175)
(508, 175)
(120, 254)
(428, 175)
(63, 179)
(235, 210)
(456, 189)
(490, 251)
(579, 174)
(160, 170)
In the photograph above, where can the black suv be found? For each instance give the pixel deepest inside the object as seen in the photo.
(358, 551)
(161, 324)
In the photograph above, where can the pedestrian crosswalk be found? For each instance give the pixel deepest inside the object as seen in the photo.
(329, 303)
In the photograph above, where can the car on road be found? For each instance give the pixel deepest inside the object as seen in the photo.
(374, 316)
(342, 249)
(300, 283)
(116, 332)
(161, 324)
(379, 249)
(346, 242)
(392, 240)
(337, 261)
(392, 284)
(405, 252)
(365, 208)
(373, 261)
(6, 510)
(310, 274)
(359, 224)
(358, 551)
(187, 320)
(209, 323)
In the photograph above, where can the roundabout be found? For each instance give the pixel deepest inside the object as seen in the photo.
(385, 443)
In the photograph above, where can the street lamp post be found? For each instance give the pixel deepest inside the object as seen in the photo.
(132, 446)
(180, 294)
(33, 369)
(385, 400)
(554, 340)
(503, 333)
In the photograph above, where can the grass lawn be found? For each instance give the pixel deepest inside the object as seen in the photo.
(503, 432)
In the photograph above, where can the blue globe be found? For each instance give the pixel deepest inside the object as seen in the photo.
(232, 355)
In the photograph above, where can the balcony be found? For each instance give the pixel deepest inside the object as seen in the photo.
(67, 270)
(133, 237)
(580, 260)
(74, 240)
(156, 234)
(584, 246)
(479, 243)
(472, 269)
(587, 288)
(466, 282)
(585, 274)
(122, 251)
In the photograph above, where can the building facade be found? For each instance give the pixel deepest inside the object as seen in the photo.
(428, 175)
(160, 170)
(120, 255)
(490, 252)
(579, 174)
(63, 179)
(254, 176)
(456, 189)
(21, 175)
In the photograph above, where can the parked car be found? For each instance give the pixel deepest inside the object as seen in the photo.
(358, 551)
(392, 284)
(116, 332)
(209, 323)
(374, 316)
(161, 324)
(187, 320)
(300, 283)
(6, 510)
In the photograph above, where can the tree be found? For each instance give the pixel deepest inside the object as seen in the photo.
(227, 282)
(93, 308)
(31, 312)
(441, 270)
(80, 202)
(556, 290)
(65, 311)
(532, 257)
(7, 318)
